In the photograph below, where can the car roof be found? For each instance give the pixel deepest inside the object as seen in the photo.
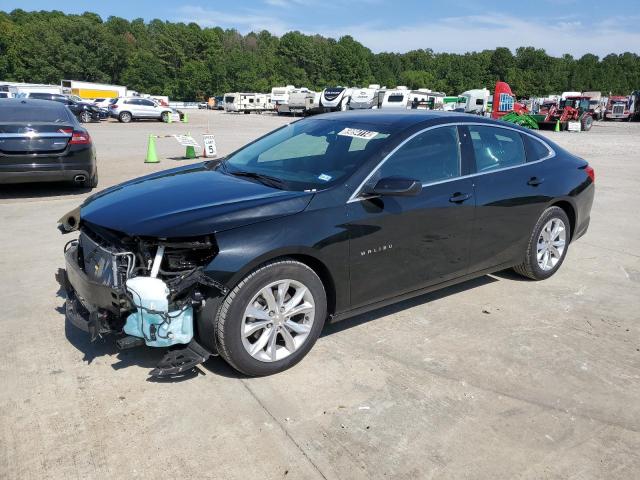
(403, 119)
(35, 102)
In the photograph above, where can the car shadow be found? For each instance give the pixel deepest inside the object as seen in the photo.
(378, 313)
(149, 357)
(39, 190)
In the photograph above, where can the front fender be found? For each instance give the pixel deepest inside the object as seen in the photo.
(318, 235)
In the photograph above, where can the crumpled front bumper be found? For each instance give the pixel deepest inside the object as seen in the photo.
(91, 306)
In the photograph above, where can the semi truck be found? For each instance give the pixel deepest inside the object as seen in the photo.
(619, 107)
(474, 101)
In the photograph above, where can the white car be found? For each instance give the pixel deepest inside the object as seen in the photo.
(102, 102)
(126, 109)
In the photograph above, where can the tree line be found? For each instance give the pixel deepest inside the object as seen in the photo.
(188, 62)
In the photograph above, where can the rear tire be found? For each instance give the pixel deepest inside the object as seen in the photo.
(125, 117)
(547, 248)
(293, 333)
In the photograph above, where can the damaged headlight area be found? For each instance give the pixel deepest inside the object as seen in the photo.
(149, 289)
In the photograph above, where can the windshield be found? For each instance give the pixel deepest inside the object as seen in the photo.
(310, 154)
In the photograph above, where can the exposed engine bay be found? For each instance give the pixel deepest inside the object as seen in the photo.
(146, 290)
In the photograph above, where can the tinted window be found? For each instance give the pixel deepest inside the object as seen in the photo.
(496, 147)
(536, 150)
(55, 113)
(43, 96)
(395, 98)
(146, 103)
(429, 157)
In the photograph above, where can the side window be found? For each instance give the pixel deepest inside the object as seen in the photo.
(147, 103)
(132, 101)
(536, 150)
(496, 147)
(431, 156)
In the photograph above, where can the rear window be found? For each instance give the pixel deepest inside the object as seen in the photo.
(56, 113)
(536, 150)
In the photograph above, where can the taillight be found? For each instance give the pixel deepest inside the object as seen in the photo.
(80, 138)
(591, 172)
(113, 105)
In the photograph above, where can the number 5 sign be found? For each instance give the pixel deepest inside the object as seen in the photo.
(210, 149)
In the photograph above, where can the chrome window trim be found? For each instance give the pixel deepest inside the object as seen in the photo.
(355, 196)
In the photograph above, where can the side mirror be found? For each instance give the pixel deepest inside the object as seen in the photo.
(395, 186)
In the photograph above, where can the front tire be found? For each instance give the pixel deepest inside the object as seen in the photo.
(85, 117)
(272, 318)
(548, 244)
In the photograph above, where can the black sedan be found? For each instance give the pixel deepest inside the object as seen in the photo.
(321, 219)
(84, 111)
(42, 141)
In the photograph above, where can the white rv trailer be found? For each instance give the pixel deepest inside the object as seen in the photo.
(363, 98)
(280, 95)
(301, 101)
(335, 98)
(395, 98)
(474, 101)
(245, 102)
(282, 106)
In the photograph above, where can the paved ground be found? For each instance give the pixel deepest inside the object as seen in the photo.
(494, 378)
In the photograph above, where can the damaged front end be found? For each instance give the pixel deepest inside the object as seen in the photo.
(146, 290)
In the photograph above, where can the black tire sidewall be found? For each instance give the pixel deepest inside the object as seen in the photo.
(550, 213)
(237, 355)
(126, 117)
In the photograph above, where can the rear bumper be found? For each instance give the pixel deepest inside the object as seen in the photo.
(37, 176)
(27, 168)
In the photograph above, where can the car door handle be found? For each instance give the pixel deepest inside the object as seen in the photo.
(459, 197)
(535, 181)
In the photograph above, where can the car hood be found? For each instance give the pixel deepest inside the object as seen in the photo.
(188, 201)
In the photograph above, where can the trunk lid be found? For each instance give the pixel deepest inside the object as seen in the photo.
(34, 138)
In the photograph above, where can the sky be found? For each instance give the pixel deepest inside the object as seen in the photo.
(457, 26)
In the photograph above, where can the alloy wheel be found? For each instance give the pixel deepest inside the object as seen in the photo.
(278, 320)
(551, 244)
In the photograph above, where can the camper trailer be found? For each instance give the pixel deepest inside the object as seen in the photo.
(335, 99)
(282, 104)
(474, 101)
(301, 101)
(395, 98)
(364, 98)
(425, 99)
(245, 102)
(280, 95)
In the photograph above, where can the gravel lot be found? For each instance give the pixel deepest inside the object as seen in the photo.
(493, 378)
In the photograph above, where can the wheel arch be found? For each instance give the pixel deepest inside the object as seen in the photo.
(303, 255)
(570, 210)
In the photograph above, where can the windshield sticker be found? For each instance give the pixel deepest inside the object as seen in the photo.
(324, 177)
(358, 133)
